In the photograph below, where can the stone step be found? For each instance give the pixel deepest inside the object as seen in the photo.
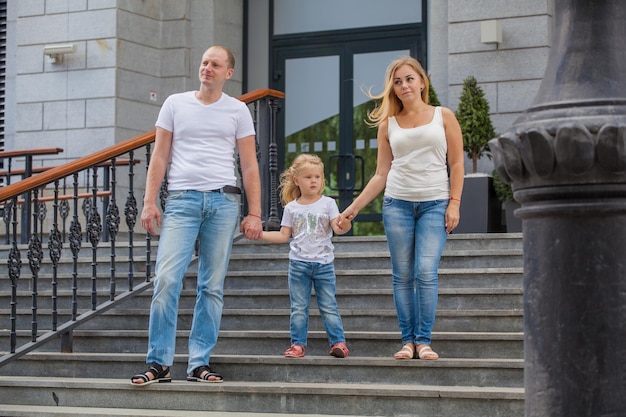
(378, 278)
(497, 345)
(342, 244)
(379, 320)
(256, 258)
(314, 368)
(353, 399)
(252, 279)
(491, 258)
(379, 243)
(376, 320)
(449, 298)
(48, 411)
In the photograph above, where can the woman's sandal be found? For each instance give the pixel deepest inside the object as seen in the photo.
(407, 352)
(294, 351)
(204, 374)
(425, 352)
(155, 373)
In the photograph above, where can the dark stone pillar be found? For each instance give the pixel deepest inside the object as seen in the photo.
(566, 160)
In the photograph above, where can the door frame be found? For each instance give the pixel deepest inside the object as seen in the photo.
(345, 44)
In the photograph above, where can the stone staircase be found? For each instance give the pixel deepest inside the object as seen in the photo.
(478, 334)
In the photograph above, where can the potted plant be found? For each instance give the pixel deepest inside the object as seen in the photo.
(473, 116)
(504, 192)
(480, 209)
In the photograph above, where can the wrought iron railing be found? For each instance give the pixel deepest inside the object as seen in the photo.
(87, 192)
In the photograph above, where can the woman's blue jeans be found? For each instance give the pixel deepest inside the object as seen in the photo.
(416, 235)
(302, 277)
(212, 218)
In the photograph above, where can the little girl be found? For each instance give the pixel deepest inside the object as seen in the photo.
(310, 219)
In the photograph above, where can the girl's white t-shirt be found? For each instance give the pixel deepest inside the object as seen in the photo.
(419, 169)
(311, 231)
(204, 140)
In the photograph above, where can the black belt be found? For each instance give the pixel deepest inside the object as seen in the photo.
(228, 189)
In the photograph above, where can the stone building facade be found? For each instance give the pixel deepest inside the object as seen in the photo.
(131, 54)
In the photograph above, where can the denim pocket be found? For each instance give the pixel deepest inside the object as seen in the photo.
(173, 195)
(232, 197)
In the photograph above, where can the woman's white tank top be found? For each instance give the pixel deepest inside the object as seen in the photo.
(419, 169)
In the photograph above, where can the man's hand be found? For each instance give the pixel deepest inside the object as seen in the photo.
(149, 215)
(252, 227)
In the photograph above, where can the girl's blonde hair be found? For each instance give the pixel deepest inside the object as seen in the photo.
(289, 191)
(391, 104)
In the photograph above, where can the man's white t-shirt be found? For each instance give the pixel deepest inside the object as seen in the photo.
(310, 230)
(204, 140)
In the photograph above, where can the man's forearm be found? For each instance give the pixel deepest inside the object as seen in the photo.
(252, 186)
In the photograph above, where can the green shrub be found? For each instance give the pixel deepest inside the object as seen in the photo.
(476, 126)
(504, 192)
(433, 100)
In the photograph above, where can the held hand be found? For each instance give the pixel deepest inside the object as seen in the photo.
(252, 228)
(149, 215)
(348, 214)
(343, 224)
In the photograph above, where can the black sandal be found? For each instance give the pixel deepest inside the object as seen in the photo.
(196, 375)
(159, 374)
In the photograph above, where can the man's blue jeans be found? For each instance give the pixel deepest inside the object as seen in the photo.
(302, 277)
(212, 218)
(416, 235)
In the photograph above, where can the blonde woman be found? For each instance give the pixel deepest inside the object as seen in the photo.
(417, 145)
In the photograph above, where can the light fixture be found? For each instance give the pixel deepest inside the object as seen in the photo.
(491, 31)
(56, 52)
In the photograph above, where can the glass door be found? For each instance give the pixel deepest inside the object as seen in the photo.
(368, 75)
(325, 111)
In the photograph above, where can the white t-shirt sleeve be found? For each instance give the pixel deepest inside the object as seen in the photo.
(245, 127)
(165, 119)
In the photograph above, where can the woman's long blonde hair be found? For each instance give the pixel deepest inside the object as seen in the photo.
(289, 191)
(391, 104)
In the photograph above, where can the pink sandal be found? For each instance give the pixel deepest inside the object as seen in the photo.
(294, 351)
(339, 350)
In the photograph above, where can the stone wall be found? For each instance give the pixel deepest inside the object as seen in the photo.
(130, 55)
(509, 72)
